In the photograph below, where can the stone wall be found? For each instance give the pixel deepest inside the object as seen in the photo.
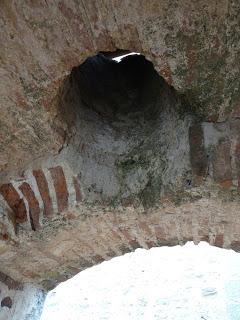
(75, 187)
(80, 238)
(44, 192)
(193, 45)
(37, 195)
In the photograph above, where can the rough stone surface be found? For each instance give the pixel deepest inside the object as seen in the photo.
(79, 238)
(149, 157)
(193, 45)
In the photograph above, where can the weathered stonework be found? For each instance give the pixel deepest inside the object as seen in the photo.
(193, 45)
(85, 177)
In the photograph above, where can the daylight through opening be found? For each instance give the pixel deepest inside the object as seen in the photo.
(126, 128)
(182, 283)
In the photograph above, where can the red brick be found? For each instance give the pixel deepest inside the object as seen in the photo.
(34, 209)
(77, 190)
(160, 233)
(226, 184)
(60, 186)
(203, 223)
(14, 201)
(143, 226)
(185, 228)
(127, 202)
(198, 155)
(235, 245)
(219, 240)
(70, 215)
(151, 244)
(222, 171)
(205, 238)
(44, 192)
(6, 302)
(10, 283)
(115, 235)
(132, 242)
(98, 259)
(170, 228)
(236, 112)
(4, 236)
(235, 133)
(237, 158)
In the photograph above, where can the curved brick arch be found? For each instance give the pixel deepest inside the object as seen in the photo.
(88, 237)
(46, 211)
(47, 231)
(101, 234)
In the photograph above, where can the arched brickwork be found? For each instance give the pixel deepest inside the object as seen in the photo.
(48, 232)
(44, 211)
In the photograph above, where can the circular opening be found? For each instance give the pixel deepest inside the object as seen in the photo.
(127, 127)
(118, 86)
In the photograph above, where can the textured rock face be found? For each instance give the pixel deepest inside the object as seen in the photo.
(128, 128)
(99, 158)
(193, 45)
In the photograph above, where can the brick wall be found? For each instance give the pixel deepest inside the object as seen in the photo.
(40, 194)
